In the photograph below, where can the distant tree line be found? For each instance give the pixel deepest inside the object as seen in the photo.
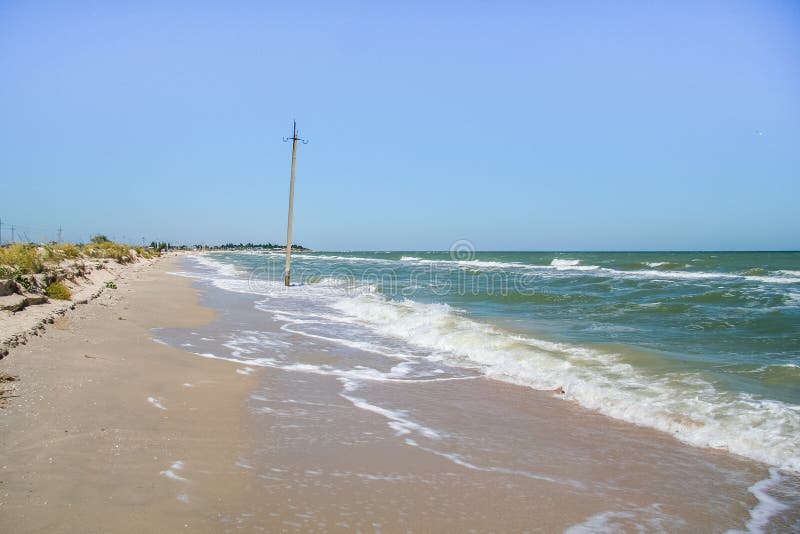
(251, 246)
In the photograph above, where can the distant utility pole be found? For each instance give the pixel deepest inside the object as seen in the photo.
(287, 270)
(12, 232)
(59, 234)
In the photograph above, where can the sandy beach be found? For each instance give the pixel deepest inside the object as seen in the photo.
(117, 424)
(400, 267)
(104, 421)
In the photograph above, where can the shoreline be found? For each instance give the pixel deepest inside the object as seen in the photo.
(119, 426)
(109, 431)
(311, 425)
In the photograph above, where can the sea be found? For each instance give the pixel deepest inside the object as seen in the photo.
(702, 346)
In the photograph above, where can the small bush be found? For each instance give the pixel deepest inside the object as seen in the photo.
(100, 238)
(58, 291)
(26, 284)
(111, 285)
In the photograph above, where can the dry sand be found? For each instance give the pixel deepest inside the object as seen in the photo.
(103, 427)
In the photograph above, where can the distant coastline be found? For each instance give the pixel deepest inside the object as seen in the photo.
(245, 247)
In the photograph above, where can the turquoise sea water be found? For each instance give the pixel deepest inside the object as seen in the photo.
(704, 345)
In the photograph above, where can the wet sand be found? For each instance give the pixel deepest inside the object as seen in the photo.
(112, 432)
(451, 455)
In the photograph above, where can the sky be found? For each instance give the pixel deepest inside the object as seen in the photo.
(562, 125)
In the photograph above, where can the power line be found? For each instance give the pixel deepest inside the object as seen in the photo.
(288, 267)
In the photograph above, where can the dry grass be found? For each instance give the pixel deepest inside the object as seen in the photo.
(67, 251)
(22, 258)
(116, 251)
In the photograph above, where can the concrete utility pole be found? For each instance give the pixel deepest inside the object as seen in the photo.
(288, 268)
(59, 235)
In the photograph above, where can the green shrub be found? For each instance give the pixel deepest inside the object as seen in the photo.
(26, 284)
(57, 290)
(111, 285)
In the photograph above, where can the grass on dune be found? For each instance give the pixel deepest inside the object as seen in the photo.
(21, 258)
(25, 258)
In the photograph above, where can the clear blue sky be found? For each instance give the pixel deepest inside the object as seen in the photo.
(516, 125)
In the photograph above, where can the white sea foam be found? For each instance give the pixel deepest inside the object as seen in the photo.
(352, 377)
(155, 402)
(399, 421)
(559, 262)
(767, 506)
(641, 519)
(222, 268)
(352, 259)
(172, 471)
(460, 460)
(557, 266)
(686, 406)
(244, 464)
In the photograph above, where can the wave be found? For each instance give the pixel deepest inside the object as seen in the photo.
(769, 505)
(351, 259)
(656, 270)
(664, 265)
(684, 405)
(224, 269)
(557, 262)
(660, 270)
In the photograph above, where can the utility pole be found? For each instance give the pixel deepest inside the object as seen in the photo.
(288, 268)
(59, 234)
(12, 233)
